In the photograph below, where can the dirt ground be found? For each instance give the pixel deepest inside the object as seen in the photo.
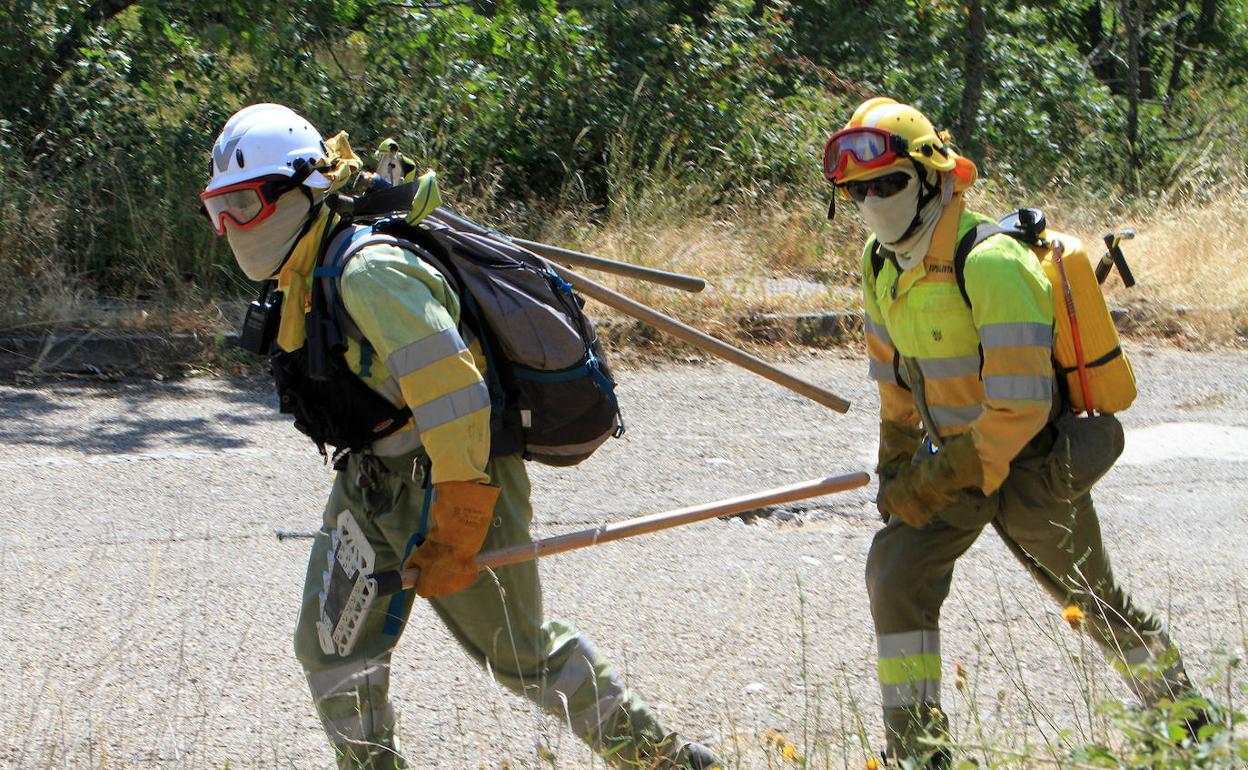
(148, 606)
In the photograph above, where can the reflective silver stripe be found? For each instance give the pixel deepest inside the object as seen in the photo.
(908, 643)
(588, 723)
(955, 415)
(345, 678)
(1138, 655)
(578, 670)
(1016, 335)
(1152, 649)
(452, 406)
(944, 368)
(910, 694)
(881, 372)
(1018, 387)
(366, 725)
(397, 444)
(423, 352)
(391, 390)
(877, 330)
(1142, 672)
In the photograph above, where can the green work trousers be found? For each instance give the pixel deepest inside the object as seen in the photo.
(1058, 539)
(498, 621)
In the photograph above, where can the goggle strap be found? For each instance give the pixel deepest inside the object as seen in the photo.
(303, 170)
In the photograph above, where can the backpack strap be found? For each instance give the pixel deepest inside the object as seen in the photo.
(975, 236)
(327, 276)
(877, 258)
(375, 202)
(877, 264)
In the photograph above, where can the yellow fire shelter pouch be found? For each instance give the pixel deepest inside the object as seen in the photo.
(1107, 377)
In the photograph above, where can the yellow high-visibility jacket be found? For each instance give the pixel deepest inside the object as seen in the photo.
(987, 368)
(413, 353)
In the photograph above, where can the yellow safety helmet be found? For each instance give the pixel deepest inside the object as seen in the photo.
(882, 133)
(387, 145)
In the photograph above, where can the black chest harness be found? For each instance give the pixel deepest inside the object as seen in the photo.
(328, 402)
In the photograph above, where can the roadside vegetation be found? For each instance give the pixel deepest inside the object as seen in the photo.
(684, 135)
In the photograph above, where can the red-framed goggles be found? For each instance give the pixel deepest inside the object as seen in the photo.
(869, 147)
(246, 204)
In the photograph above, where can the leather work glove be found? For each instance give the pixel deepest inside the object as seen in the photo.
(460, 516)
(919, 491)
(898, 443)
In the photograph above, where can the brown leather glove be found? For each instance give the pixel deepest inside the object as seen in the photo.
(460, 517)
(898, 443)
(919, 491)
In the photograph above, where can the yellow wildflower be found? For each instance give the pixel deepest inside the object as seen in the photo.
(776, 739)
(1074, 616)
(873, 763)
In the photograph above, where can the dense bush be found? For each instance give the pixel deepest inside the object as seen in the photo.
(107, 109)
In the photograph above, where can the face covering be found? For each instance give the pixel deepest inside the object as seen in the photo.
(890, 217)
(260, 250)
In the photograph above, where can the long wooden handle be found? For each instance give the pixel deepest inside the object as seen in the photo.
(701, 340)
(568, 256)
(642, 525)
(580, 259)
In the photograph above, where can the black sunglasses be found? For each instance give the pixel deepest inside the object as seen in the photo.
(882, 186)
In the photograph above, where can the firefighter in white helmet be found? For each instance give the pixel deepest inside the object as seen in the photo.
(270, 173)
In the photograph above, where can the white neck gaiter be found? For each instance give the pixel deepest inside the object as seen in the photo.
(261, 249)
(889, 218)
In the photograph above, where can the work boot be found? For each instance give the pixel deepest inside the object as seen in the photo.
(695, 756)
(685, 755)
(940, 759)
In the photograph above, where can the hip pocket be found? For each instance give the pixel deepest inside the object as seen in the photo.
(1084, 451)
(972, 509)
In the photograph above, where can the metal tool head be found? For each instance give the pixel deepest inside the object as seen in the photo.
(1116, 237)
(349, 589)
(1113, 257)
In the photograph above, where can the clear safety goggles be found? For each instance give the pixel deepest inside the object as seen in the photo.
(246, 204)
(869, 147)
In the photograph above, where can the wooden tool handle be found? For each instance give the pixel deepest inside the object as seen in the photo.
(701, 340)
(642, 525)
(568, 256)
(674, 280)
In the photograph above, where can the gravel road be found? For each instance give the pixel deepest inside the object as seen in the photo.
(148, 606)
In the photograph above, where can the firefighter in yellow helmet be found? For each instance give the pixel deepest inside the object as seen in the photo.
(969, 407)
(426, 489)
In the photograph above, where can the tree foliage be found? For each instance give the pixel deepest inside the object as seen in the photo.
(108, 108)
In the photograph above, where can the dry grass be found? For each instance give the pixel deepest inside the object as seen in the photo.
(1190, 260)
(1193, 260)
(778, 257)
(767, 253)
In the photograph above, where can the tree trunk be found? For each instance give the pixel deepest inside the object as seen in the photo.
(1182, 39)
(972, 75)
(1202, 35)
(1130, 12)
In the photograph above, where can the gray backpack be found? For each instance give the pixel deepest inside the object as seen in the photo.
(552, 392)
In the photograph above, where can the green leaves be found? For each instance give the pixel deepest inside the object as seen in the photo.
(548, 105)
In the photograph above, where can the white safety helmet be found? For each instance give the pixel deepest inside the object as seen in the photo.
(266, 140)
